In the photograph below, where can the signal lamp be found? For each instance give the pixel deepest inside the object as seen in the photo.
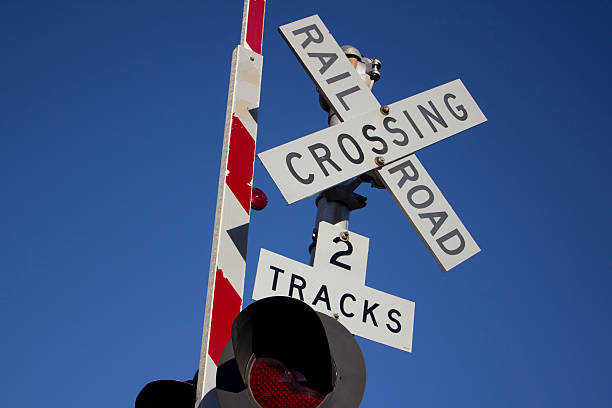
(283, 354)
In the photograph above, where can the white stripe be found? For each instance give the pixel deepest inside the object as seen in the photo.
(243, 95)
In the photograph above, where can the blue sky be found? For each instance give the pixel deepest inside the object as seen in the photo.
(111, 124)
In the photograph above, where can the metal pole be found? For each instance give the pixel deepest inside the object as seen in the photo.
(334, 205)
(334, 212)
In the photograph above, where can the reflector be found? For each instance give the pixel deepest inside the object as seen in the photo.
(258, 199)
(273, 385)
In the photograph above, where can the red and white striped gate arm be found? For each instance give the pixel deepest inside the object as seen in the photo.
(228, 257)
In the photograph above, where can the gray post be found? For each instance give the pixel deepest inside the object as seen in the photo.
(334, 212)
(335, 204)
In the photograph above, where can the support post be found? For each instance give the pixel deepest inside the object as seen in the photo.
(228, 255)
(334, 205)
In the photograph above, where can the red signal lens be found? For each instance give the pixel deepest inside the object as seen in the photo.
(275, 386)
(258, 199)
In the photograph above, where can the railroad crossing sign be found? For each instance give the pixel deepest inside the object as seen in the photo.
(377, 138)
(329, 287)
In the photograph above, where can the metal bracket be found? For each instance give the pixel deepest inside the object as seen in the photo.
(345, 194)
(315, 235)
(372, 178)
(372, 68)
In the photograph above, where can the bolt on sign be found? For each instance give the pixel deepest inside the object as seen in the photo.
(377, 138)
(364, 311)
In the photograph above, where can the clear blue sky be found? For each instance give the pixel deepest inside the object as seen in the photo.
(111, 123)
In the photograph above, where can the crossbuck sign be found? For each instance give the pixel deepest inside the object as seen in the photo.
(370, 136)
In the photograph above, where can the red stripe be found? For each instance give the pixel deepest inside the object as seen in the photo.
(240, 163)
(255, 22)
(226, 306)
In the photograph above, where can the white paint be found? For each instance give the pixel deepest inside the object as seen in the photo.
(319, 41)
(229, 212)
(348, 259)
(435, 221)
(359, 103)
(398, 138)
(364, 311)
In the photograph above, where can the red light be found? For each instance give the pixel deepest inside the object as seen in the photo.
(258, 199)
(275, 386)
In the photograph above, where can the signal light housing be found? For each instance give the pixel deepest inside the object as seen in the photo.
(283, 354)
(167, 394)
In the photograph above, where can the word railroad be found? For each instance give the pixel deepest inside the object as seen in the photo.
(375, 137)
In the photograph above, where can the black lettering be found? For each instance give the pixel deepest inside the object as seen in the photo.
(373, 138)
(309, 38)
(276, 271)
(460, 108)
(428, 116)
(436, 218)
(448, 236)
(414, 126)
(349, 250)
(327, 59)
(401, 142)
(341, 138)
(293, 285)
(342, 299)
(338, 77)
(425, 203)
(323, 158)
(405, 176)
(399, 325)
(294, 155)
(369, 311)
(341, 95)
(324, 296)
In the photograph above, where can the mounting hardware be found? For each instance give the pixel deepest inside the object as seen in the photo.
(372, 68)
(315, 233)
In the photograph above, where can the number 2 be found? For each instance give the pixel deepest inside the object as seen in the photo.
(349, 250)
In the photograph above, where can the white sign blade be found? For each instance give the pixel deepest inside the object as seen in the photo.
(325, 158)
(348, 257)
(364, 311)
(430, 214)
(317, 51)
(331, 71)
